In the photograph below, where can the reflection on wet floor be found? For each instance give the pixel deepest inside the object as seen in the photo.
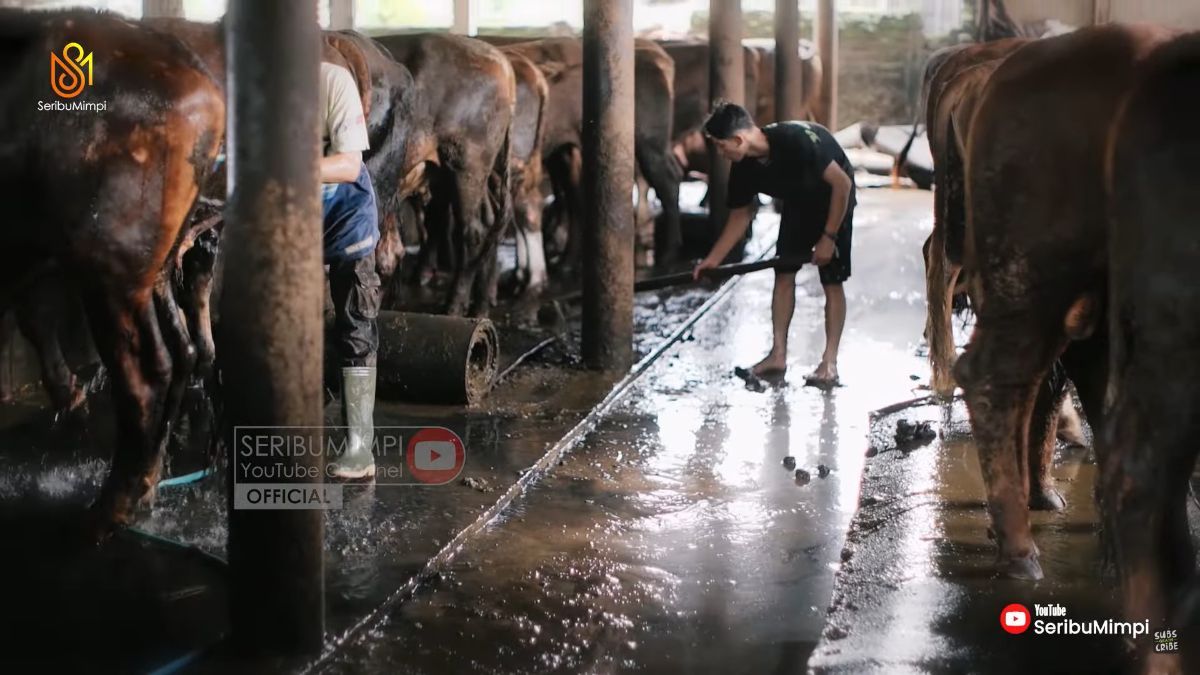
(917, 591)
(675, 537)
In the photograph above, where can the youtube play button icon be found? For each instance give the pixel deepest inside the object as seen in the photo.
(435, 455)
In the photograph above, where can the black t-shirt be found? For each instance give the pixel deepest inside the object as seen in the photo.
(793, 168)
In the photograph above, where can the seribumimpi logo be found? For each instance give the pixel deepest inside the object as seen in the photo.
(1052, 620)
(71, 74)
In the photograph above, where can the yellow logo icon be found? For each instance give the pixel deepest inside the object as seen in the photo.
(67, 77)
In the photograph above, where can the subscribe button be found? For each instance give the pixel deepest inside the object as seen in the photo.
(435, 455)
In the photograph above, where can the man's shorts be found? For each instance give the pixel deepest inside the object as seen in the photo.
(800, 228)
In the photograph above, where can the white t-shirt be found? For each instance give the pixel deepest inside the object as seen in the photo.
(343, 126)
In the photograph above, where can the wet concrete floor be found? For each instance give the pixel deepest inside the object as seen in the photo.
(675, 538)
(917, 591)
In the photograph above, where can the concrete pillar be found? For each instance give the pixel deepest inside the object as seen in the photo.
(271, 338)
(789, 97)
(608, 183)
(727, 80)
(465, 12)
(341, 14)
(152, 8)
(827, 48)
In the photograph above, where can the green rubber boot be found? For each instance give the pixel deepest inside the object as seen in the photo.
(358, 411)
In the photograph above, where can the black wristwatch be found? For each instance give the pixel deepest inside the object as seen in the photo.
(832, 237)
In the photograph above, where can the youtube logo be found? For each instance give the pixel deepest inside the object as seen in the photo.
(435, 455)
(1014, 619)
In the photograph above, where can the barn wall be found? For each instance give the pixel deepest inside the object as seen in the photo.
(1071, 12)
(1176, 13)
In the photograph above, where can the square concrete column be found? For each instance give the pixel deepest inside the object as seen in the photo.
(789, 87)
(270, 337)
(827, 48)
(727, 81)
(608, 162)
(341, 14)
(154, 8)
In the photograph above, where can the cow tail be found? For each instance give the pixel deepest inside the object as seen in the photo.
(501, 196)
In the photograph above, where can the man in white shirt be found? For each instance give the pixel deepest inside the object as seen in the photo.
(351, 230)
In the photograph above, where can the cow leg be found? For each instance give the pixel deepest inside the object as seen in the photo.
(129, 342)
(467, 204)
(939, 330)
(663, 174)
(181, 351)
(41, 327)
(1043, 424)
(437, 234)
(943, 260)
(574, 209)
(199, 266)
(1001, 373)
(1144, 495)
(531, 252)
(8, 331)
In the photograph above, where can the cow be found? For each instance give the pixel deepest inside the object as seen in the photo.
(467, 90)
(1036, 259)
(955, 78)
(810, 80)
(104, 193)
(693, 97)
(528, 132)
(1148, 446)
(561, 61)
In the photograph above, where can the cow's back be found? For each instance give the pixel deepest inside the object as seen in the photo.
(55, 165)
(1036, 158)
(465, 83)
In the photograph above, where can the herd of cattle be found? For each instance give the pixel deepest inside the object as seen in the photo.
(115, 214)
(1066, 172)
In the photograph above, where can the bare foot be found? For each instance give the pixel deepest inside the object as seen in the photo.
(825, 374)
(772, 365)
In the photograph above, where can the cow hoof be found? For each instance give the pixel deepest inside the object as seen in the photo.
(1046, 499)
(1025, 569)
(98, 524)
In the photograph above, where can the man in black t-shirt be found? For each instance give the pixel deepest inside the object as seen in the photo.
(803, 165)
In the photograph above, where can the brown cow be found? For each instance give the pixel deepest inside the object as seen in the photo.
(954, 80)
(467, 89)
(1036, 257)
(693, 98)
(110, 191)
(528, 132)
(1149, 447)
(561, 61)
(810, 80)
